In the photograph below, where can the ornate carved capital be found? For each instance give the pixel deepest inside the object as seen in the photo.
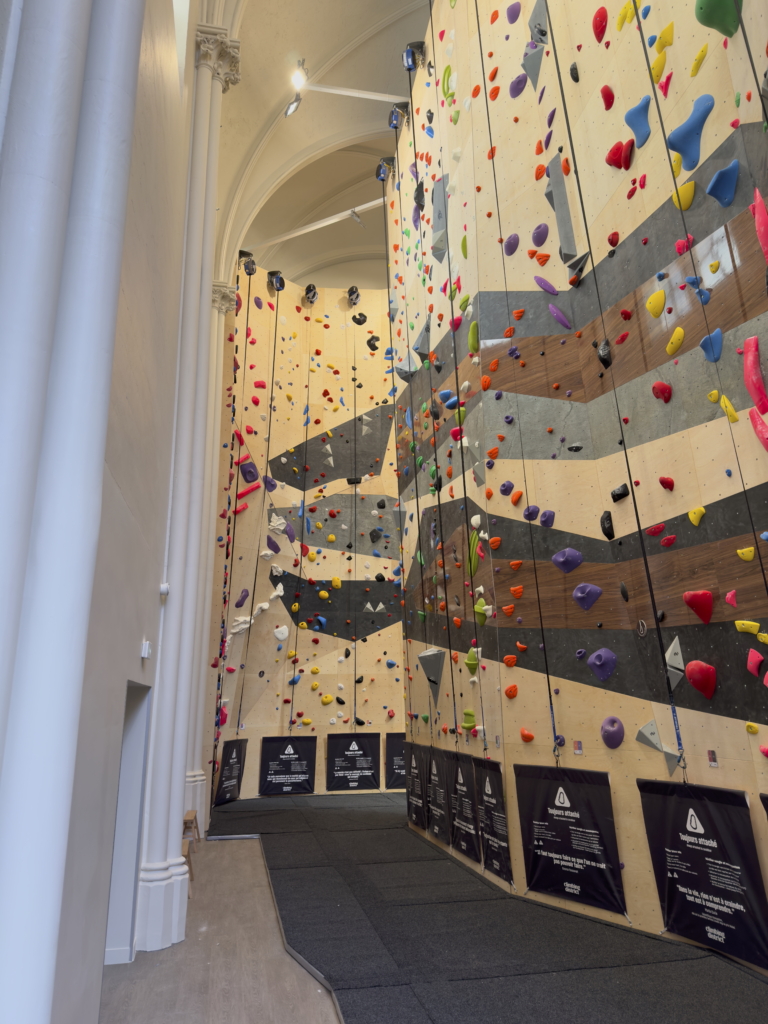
(219, 53)
(224, 297)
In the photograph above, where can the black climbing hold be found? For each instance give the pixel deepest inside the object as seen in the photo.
(611, 253)
(354, 480)
(359, 319)
(340, 700)
(380, 577)
(574, 72)
(359, 721)
(358, 680)
(599, 625)
(620, 492)
(349, 546)
(375, 535)
(575, 447)
(381, 503)
(347, 652)
(606, 525)
(660, 616)
(418, 195)
(372, 342)
(624, 591)
(604, 354)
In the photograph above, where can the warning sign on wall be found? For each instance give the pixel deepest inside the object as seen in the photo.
(492, 815)
(416, 761)
(231, 771)
(287, 765)
(353, 761)
(569, 839)
(465, 833)
(394, 761)
(706, 867)
(438, 801)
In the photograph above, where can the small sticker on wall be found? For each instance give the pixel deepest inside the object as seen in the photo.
(712, 756)
(577, 747)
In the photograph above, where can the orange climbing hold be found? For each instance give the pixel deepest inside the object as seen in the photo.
(449, 472)
(508, 610)
(541, 170)
(532, 253)
(492, 74)
(526, 736)
(516, 496)
(494, 543)
(566, 166)
(456, 622)
(485, 382)
(493, 365)
(516, 592)
(518, 314)
(510, 660)
(539, 148)
(492, 453)
(521, 647)
(542, 258)
(511, 691)
(516, 564)
(488, 493)
(509, 332)
(455, 654)
(475, 92)
(494, 95)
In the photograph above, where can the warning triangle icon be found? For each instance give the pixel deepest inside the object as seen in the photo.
(353, 746)
(289, 749)
(413, 761)
(487, 785)
(460, 777)
(693, 824)
(561, 800)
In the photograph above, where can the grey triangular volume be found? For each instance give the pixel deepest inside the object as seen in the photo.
(537, 22)
(432, 662)
(670, 756)
(439, 245)
(532, 62)
(674, 656)
(407, 368)
(675, 675)
(579, 263)
(549, 194)
(561, 208)
(649, 735)
(421, 345)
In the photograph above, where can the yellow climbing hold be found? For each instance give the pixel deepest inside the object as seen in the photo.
(657, 68)
(630, 12)
(677, 164)
(312, 556)
(682, 197)
(745, 554)
(302, 625)
(315, 671)
(763, 638)
(621, 18)
(307, 721)
(315, 685)
(744, 626)
(696, 514)
(677, 339)
(655, 305)
(323, 595)
(291, 654)
(713, 396)
(730, 412)
(336, 583)
(318, 526)
(714, 267)
(331, 538)
(666, 37)
(752, 728)
(295, 606)
(326, 698)
(698, 60)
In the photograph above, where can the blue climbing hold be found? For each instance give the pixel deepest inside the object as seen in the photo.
(694, 282)
(764, 535)
(703, 295)
(686, 138)
(637, 120)
(444, 395)
(723, 184)
(729, 472)
(452, 403)
(652, 40)
(390, 663)
(408, 417)
(660, 275)
(712, 345)
(645, 11)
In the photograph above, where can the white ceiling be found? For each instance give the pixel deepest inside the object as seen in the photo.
(276, 173)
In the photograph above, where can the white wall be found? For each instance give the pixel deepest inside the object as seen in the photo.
(126, 602)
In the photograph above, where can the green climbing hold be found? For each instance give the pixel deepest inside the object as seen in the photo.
(474, 558)
(422, 615)
(423, 406)
(453, 293)
(480, 612)
(420, 558)
(473, 338)
(737, 99)
(446, 82)
(412, 446)
(472, 660)
(464, 303)
(469, 720)
(425, 719)
(464, 246)
(433, 472)
(460, 414)
(419, 461)
(455, 116)
(720, 15)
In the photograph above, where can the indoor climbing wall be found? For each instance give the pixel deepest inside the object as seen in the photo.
(578, 246)
(307, 639)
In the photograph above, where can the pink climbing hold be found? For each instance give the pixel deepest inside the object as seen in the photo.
(664, 86)
(683, 245)
(754, 660)
(760, 427)
(760, 214)
(662, 390)
(608, 98)
(456, 433)
(730, 598)
(456, 323)
(600, 23)
(753, 376)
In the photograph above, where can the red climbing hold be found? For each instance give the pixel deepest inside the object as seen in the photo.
(667, 483)
(626, 153)
(613, 239)
(626, 314)
(662, 390)
(702, 677)
(654, 531)
(600, 23)
(608, 98)
(613, 158)
(754, 660)
(700, 602)
(667, 542)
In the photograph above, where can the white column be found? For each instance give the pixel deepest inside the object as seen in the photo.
(35, 182)
(197, 790)
(48, 677)
(163, 881)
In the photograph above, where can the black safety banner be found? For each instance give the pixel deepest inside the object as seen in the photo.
(492, 815)
(353, 761)
(440, 772)
(416, 760)
(287, 765)
(231, 771)
(569, 839)
(764, 801)
(465, 834)
(706, 867)
(394, 767)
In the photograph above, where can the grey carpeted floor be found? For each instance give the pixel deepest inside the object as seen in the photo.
(407, 935)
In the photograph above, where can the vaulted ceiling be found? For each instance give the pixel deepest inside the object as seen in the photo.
(277, 174)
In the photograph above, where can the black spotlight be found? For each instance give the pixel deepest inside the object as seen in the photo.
(413, 56)
(385, 168)
(275, 280)
(359, 319)
(353, 295)
(398, 115)
(310, 294)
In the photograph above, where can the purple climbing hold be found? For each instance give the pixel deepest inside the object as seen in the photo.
(506, 488)
(545, 286)
(551, 117)
(258, 303)
(269, 483)
(415, 217)
(531, 513)
(509, 418)
(541, 93)
(273, 545)
(499, 395)
(290, 533)
(511, 244)
(513, 12)
(540, 234)
(567, 560)
(414, 170)
(561, 318)
(242, 599)
(249, 472)
(517, 85)
(547, 139)
(580, 653)
(489, 463)
(547, 518)
(612, 732)
(586, 594)
(603, 663)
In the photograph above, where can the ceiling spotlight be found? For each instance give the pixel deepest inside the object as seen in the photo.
(275, 280)
(250, 266)
(310, 294)
(293, 106)
(299, 76)
(398, 115)
(354, 295)
(413, 56)
(385, 168)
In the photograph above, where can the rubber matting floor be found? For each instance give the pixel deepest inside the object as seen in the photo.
(406, 935)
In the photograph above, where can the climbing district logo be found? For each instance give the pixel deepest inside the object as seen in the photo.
(289, 749)
(692, 823)
(488, 789)
(561, 800)
(353, 746)
(460, 778)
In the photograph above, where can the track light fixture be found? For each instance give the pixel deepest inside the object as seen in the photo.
(413, 56)
(250, 266)
(275, 280)
(353, 295)
(299, 76)
(293, 106)
(398, 115)
(385, 168)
